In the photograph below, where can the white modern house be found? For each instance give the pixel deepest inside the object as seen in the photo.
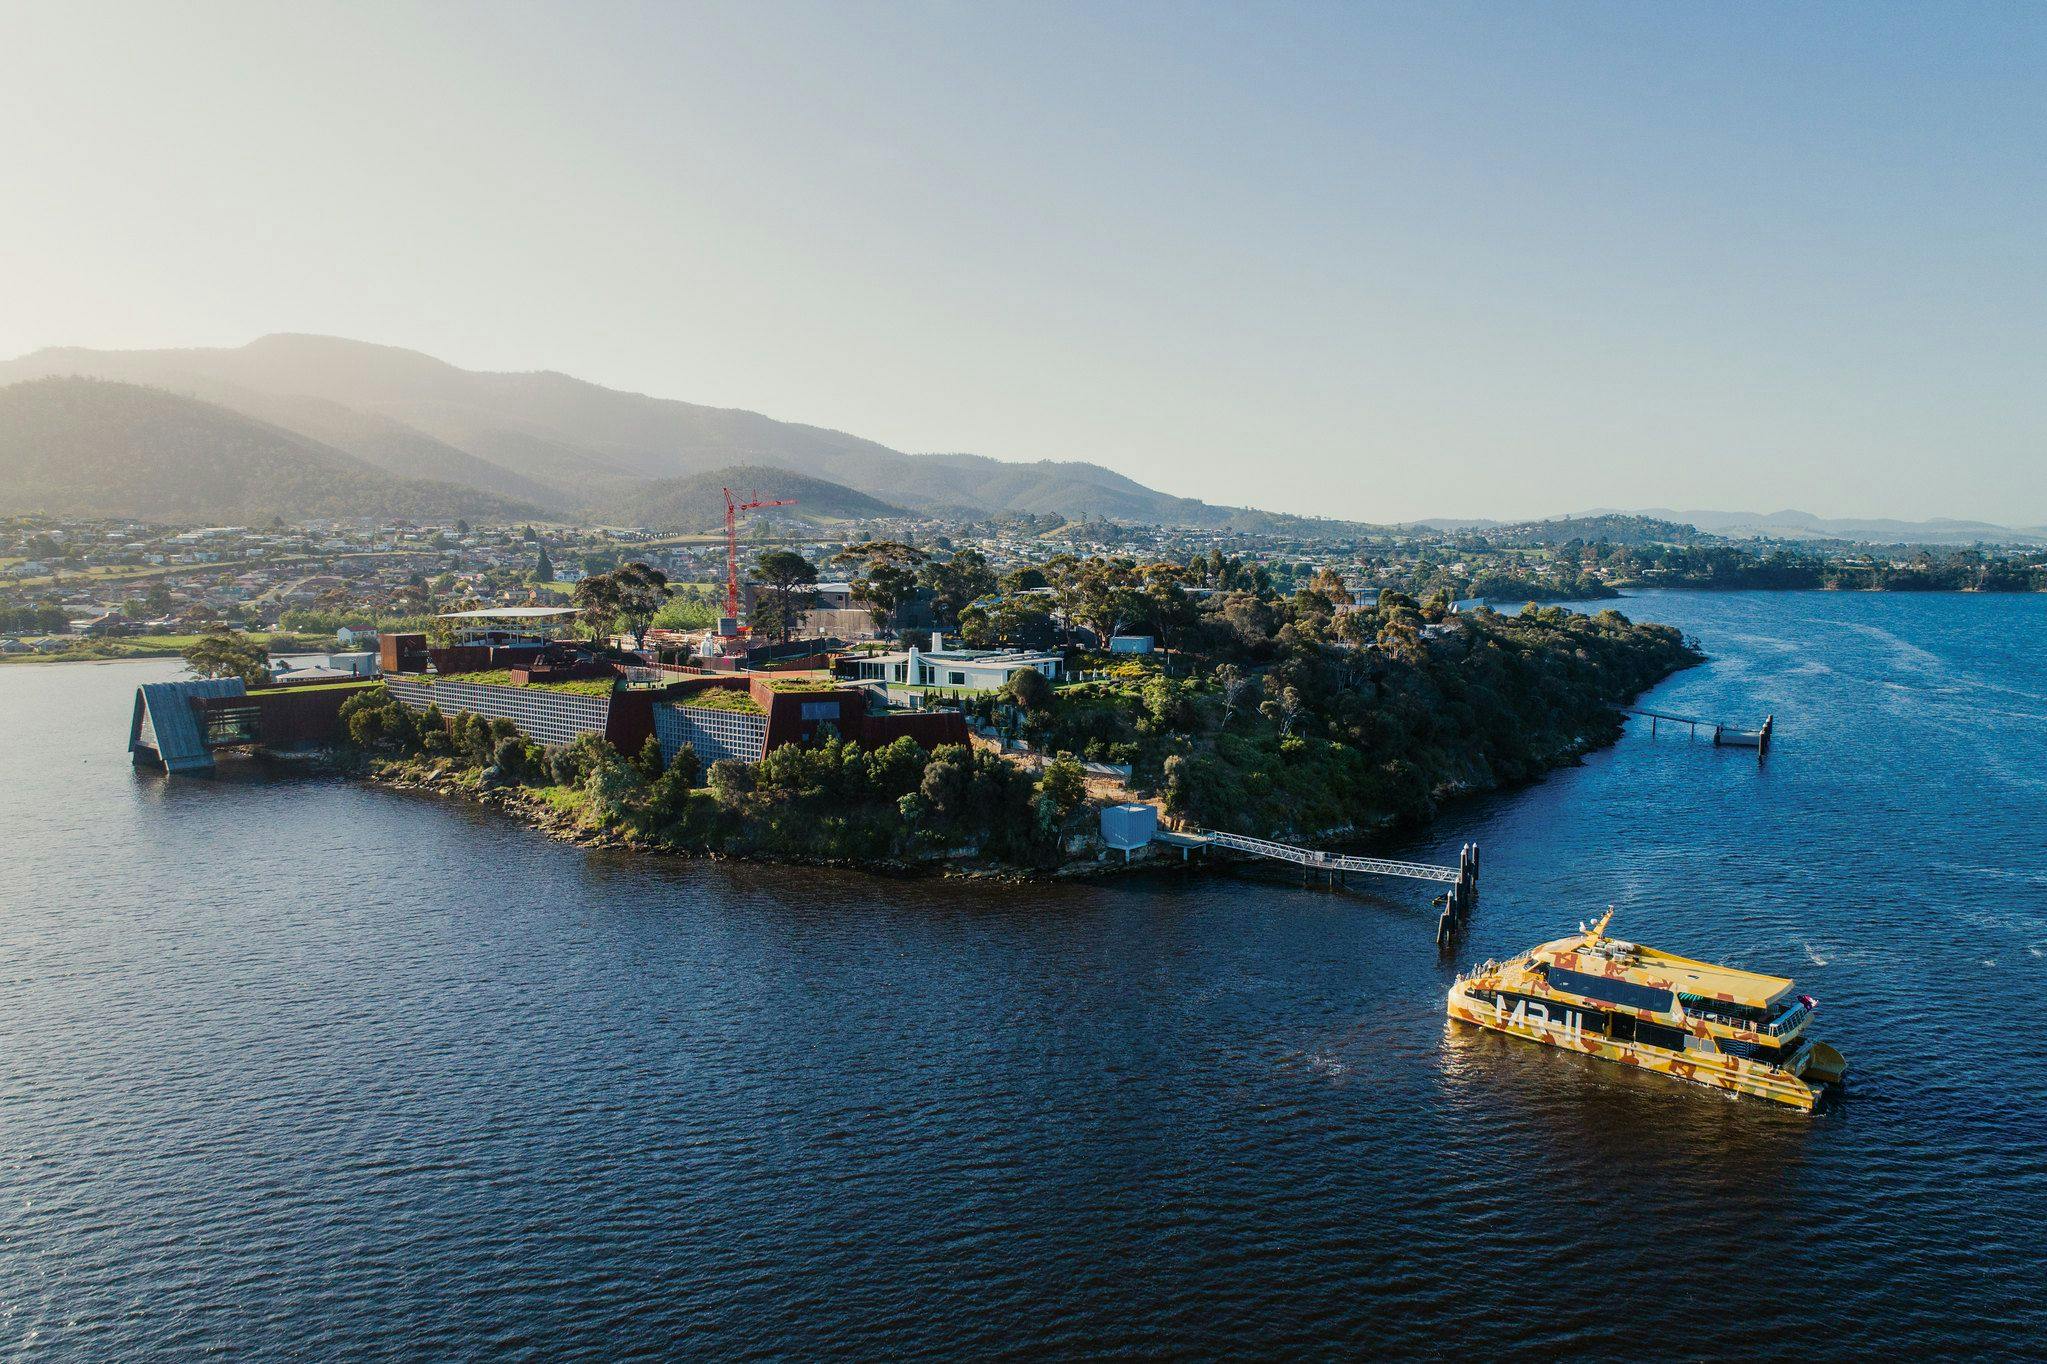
(966, 669)
(322, 667)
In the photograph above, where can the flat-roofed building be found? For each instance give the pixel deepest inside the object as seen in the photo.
(746, 718)
(961, 669)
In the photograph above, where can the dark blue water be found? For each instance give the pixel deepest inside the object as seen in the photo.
(294, 1066)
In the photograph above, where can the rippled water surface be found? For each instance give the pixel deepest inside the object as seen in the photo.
(290, 1065)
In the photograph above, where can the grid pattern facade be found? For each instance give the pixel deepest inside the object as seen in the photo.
(715, 734)
(546, 717)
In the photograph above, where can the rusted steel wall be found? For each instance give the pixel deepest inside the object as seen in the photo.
(402, 653)
(795, 717)
(297, 716)
(929, 728)
(631, 722)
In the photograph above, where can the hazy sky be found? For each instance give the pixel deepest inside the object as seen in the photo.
(1366, 260)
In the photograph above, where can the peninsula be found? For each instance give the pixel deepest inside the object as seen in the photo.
(1306, 715)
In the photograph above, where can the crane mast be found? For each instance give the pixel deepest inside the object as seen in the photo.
(732, 510)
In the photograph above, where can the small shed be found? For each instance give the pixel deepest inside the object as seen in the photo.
(1129, 826)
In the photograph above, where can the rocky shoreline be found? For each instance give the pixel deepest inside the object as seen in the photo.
(533, 810)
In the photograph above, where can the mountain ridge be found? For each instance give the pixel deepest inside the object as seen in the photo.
(97, 447)
(550, 438)
(696, 502)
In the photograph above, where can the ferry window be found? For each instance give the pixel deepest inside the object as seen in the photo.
(1739, 1015)
(1623, 992)
(1623, 1028)
(1656, 1035)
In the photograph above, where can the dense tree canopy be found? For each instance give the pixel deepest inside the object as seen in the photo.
(629, 596)
(785, 579)
(228, 653)
(885, 576)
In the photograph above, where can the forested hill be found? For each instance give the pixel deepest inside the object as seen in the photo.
(698, 501)
(1328, 739)
(1614, 528)
(86, 447)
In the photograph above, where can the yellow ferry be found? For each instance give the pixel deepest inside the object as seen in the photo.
(1620, 1001)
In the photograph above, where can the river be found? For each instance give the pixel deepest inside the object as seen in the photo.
(292, 1065)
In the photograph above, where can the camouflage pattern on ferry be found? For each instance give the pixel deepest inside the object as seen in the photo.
(1712, 1025)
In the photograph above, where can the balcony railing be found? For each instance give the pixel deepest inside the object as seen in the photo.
(1785, 1022)
(1789, 1020)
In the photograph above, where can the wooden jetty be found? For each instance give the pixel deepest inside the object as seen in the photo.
(1723, 736)
(1458, 903)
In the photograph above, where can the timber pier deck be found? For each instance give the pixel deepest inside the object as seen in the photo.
(1722, 735)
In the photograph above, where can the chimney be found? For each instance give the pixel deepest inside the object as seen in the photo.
(938, 641)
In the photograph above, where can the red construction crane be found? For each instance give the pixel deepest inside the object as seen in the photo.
(732, 510)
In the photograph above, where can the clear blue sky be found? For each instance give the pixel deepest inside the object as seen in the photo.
(1366, 260)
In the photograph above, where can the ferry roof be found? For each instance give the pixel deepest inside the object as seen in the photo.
(1647, 966)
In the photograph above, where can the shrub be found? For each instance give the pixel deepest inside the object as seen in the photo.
(1028, 688)
(611, 784)
(1061, 789)
(731, 780)
(431, 729)
(509, 756)
(373, 719)
(572, 763)
(1168, 704)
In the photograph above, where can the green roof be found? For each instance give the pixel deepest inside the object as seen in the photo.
(811, 682)
(502, 677)
(722, 698)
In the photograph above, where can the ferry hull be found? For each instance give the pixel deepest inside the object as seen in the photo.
(1564, 1029)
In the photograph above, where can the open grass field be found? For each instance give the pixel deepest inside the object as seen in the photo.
(155, 646)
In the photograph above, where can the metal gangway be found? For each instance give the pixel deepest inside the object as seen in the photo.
(1462, 879)
(1318, 860)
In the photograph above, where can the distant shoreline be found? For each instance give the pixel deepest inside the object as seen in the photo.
(84, 658)
(54, 659)
(125, 653)
(1628, 591)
